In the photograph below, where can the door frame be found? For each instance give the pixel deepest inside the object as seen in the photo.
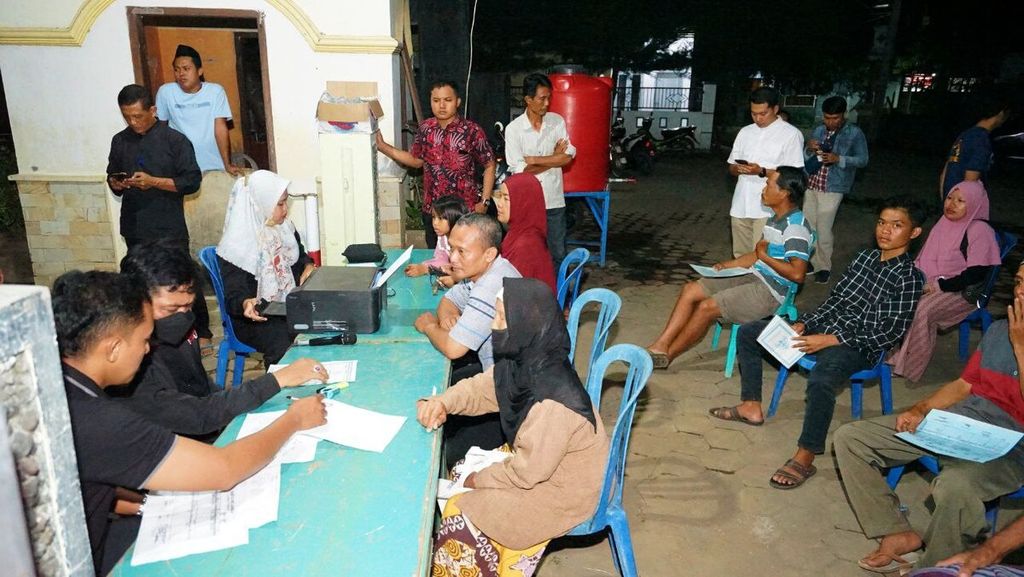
(141, 16)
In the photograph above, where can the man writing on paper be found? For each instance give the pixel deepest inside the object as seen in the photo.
(779, 263)
(988, 390)
(103, 322)
(171, 387)
(462, 325)
(867, 312)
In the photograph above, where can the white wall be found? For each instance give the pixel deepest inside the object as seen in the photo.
(62, 100)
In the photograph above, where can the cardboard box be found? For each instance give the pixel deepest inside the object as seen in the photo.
(354, 112)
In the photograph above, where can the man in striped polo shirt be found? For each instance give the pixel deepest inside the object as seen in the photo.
(778, 263)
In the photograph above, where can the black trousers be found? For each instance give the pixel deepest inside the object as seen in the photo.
(199, 306)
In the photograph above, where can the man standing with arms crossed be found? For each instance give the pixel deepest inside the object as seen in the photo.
(537, 143)
(447, 147)
(759, 147)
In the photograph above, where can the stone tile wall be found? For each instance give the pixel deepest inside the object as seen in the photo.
(390, 206)
(68, 226)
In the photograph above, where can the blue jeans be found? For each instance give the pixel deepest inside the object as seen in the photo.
(556, 235)
(833, 370)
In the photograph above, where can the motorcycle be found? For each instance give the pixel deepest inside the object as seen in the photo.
(681, 141)
(635, 151)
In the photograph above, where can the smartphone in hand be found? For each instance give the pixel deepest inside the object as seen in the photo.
(119, 176)
(740, 161)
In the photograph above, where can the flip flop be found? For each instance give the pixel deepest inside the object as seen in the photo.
(896, 563)
(802, 474)
(733, 414)
(661, 360)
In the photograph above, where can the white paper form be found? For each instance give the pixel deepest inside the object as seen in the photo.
(401, 260)
(337, 372)
(777, 339)
(707, 271)
(357, 428)
(180, 524)
(176, 524)
(298, 449)
(962, 437)
(476, 460)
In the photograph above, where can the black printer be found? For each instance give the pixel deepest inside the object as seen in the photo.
(336, 297)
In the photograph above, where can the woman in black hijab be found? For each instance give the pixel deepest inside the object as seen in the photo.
(552, 480)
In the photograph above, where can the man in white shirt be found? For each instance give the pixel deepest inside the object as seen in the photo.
(759, 147)
(537, 143)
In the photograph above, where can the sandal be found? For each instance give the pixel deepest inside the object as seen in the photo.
(661, 360)
(800, 477)
(896, 563)
(733, 414)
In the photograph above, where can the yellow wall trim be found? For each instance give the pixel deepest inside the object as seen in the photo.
(74, 35)
(41, 177)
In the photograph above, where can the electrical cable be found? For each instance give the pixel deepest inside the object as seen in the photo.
(469, 71)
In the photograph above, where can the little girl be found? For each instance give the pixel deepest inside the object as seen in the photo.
(445, 211)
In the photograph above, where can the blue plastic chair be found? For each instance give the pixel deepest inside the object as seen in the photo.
(786, 309)
(880, 371)
(1006, 243)
(208, 256)
(609, 304)
(892, 478)
(610, 514)
(569, 280)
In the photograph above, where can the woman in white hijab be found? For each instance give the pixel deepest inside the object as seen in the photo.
(261, 260)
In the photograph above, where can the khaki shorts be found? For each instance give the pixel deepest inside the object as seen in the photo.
(742, 299)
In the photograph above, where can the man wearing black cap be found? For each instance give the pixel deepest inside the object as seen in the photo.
(198, 109)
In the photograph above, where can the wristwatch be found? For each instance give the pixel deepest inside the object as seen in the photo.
(763, 173)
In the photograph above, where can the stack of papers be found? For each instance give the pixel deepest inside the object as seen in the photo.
(337, 372)
(476, 460)
(179, 524)
(357, 428)
(962, 437)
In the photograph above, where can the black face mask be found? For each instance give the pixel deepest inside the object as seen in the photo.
(173, 329)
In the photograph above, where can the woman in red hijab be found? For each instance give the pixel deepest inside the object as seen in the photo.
(520, 204)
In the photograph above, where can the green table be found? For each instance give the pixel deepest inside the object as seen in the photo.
(349, 512)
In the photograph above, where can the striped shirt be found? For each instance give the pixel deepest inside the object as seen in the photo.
(475, 300)
(788, 237)
(872, 306)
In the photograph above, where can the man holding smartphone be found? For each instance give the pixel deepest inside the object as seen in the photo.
(151, 167)
(759, 147)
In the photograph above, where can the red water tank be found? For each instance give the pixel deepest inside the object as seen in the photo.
(585, 103)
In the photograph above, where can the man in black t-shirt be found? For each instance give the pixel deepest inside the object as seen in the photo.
(103, 322)
(172, 388)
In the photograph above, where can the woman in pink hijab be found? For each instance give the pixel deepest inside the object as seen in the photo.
(960, 252)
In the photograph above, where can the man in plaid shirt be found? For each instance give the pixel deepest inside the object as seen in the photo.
(866, 314)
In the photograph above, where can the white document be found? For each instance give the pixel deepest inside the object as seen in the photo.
(176, 524)
(357, 428)
(962, 437)
(476, 460)
(337, 372)
(298, 449)
(707, 271)
(180, 524)
(777, 339)
(401, 260)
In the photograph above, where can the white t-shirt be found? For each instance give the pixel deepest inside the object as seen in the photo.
(521, 140)
(193, 115)
(778, 144)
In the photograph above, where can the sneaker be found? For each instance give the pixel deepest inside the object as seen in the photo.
(822, 276)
